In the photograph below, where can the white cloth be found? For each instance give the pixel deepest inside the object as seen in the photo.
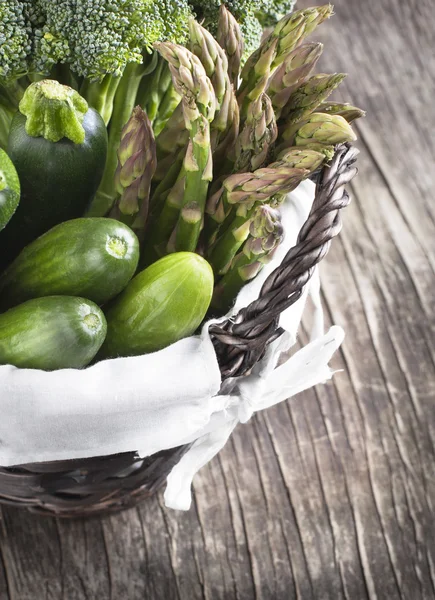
(165, 399)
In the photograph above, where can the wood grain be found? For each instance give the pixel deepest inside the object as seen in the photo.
(331, 495)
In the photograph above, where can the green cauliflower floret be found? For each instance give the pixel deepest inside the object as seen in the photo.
(15, 41)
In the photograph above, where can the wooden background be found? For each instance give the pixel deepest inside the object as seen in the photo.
(328, 496)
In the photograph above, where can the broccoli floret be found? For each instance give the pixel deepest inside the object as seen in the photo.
(271, 11)
(15, 41)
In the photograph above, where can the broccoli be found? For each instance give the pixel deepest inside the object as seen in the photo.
(15, 48)
(271, 11)
(103, 48)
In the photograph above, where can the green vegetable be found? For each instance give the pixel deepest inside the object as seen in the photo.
(136, 166)
(247, 191)
(230, 38)
(58, 178)
(57, 332)
(9, 189)
(199, 106)
(308, 97)
(92, 258)
(100, 47)
(252, 15)
(320, 132)
(162, 304)
(266, 233)
(274, 49)
(346, 110)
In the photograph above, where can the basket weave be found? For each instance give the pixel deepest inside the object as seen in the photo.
(85, 487)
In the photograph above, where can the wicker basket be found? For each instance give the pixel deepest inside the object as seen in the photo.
(85, 487)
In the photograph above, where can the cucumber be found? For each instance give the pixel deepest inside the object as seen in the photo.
(162, 304)
(57, 332)
(9, 189)
(90, 257)
(58, 178)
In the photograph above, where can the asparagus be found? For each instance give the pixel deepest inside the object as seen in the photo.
(173, 137)
(291, 74)
(124, 102)
(228, 138)
(163, 226)
(169, 103)
(349, 112)
(302, 158)
(320, 132)
(154, 89)
(230, 39)
(215, 63)
(255, 83)
(199, 173)
(255, 142)
(136, 166)
(265, 235)
(308, 97)
(287, 34)
(246, 191)
(198, 105)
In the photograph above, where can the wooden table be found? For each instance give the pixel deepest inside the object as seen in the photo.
(330, 495)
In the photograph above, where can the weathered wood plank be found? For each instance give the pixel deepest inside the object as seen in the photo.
(330, 496)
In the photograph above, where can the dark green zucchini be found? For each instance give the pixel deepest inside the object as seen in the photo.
(57, 332)
(90, 257)
(9, 189)
(58, 178)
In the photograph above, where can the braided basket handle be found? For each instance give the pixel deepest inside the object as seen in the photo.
(241, 341)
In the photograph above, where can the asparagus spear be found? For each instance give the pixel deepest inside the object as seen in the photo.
(286, 35)
(302, 158)
(153, 88)
(265, 235)
(309, 95)
(349, 112)
(198, 105)
(212, 57)
(255, 142)
(215, 63)
(246, 191)
(291, 74)
(230, 39)
(191, 82)
(319, 132)
(172, 137)
(135, 169)
(168, 104)
(229, 137)
(163, 225)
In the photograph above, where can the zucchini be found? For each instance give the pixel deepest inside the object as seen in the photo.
(57, 332)
(162, 304)
(60, 166)
(90, 257)
(9, 189)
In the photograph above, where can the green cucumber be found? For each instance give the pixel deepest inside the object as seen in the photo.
(58, 178)
(9, 189)
(57, 332)
(162, 304)
(90, 257)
